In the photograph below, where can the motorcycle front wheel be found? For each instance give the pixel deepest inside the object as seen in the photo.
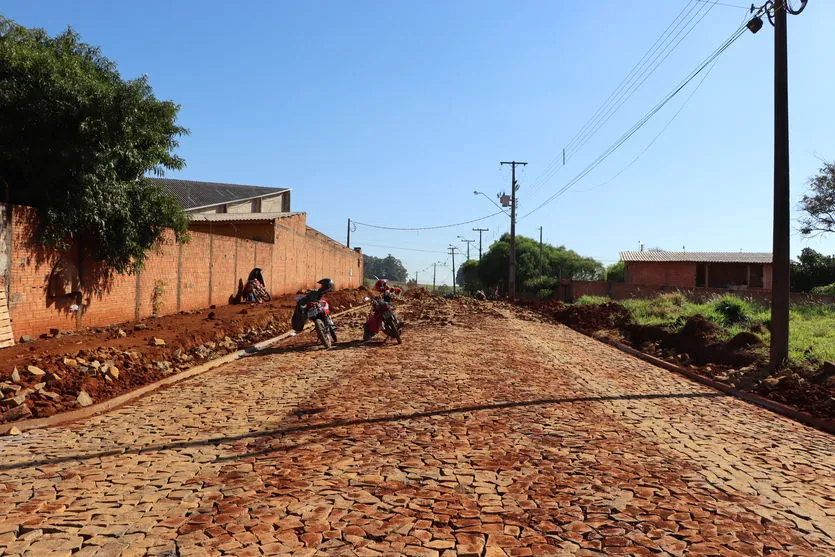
(392, 329)
(322, 333)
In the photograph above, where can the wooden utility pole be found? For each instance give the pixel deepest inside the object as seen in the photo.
(511, 278)
(480, 230)
(782, 203)
(434, 274)
(452, 250)
(540, 252)
(777, 12)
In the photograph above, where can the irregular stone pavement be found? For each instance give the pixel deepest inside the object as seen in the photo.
(499, 436)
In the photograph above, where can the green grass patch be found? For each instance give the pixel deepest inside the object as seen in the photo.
(812, 328)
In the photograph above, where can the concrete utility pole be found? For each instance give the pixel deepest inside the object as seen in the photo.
(348, 244)
(540, 252)
(480, 230)
(511, 278)
(468, 246)
(452, 250)
(434, 274)
(777, 11)
(416, 282)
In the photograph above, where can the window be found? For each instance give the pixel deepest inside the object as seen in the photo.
(221, 208)
(256, 205)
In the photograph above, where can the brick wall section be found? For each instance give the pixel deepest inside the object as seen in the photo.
(208, 270)
(682, 275)
(623, 291)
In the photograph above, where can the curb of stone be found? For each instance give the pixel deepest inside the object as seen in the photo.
(113, 403)
(827, 426)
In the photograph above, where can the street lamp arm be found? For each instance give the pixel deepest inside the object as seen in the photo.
(502, 209)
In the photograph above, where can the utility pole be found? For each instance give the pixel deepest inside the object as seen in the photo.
(480, 230)
(511, 278)
(416, 282)
(434, 274)
(540, 252)
(452, 250)
(349, 234)
(777, 11)
(468, 247)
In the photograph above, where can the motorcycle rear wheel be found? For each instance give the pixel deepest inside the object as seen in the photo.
(322, 333)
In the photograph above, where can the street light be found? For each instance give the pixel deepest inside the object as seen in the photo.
(502, 209)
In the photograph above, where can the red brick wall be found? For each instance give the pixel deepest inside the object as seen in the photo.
(682, 275)
(206, 271)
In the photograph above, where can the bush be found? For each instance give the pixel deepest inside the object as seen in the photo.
(827, 290)
(732, 310)
(543, 287)
(591, 300)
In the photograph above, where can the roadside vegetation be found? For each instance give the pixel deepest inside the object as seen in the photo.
(812, 328)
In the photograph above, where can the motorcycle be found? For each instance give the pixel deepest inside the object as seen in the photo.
(318, 311)
(254, 289)
(381, 318)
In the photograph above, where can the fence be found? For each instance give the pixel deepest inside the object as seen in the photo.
(48, 290)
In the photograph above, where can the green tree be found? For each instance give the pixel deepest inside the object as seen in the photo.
(558, 262)
(77, 142)
(468, 276)
(616, 272)
(814, 269)
(819, 205)
(388, 267)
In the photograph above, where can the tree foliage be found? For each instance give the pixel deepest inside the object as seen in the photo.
(557, 262)
(819, 205)
(389, 268)
(467, 276)
(815, 269)
(77, 141)
(616, 272)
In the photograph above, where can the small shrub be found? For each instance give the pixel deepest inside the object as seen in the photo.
(732, 310)
(827, 290)
(591, 300)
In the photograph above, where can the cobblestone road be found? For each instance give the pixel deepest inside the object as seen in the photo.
(502, 437)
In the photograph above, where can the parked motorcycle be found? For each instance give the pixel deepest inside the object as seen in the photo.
(255, 289)
(316, 309)
(382, 318)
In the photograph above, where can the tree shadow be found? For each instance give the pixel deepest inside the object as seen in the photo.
(276, 432)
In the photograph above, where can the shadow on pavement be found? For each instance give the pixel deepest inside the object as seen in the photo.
(343, 423)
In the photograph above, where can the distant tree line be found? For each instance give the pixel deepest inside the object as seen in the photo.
(388, 267)
(557, 262)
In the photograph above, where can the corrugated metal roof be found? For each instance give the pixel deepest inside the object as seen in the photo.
(655, 256)
(237, 217)
(196, 195)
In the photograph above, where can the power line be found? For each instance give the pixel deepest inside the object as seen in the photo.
(403, 249)
(746, 8)
(660, 47)
(428, 227)
(660, 133)
(638, 125)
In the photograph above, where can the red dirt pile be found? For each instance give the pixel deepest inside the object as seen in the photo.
(699, 344)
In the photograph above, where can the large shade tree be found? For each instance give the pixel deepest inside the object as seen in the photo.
(388, 267)
(557, 262)
(819, 203)
(77, 141)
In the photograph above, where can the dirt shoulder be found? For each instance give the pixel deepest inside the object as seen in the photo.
(699, 347)
(45, 377)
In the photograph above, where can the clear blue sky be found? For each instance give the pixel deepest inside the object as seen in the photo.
(392, 113)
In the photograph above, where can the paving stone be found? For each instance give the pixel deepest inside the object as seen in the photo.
(499, 435)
